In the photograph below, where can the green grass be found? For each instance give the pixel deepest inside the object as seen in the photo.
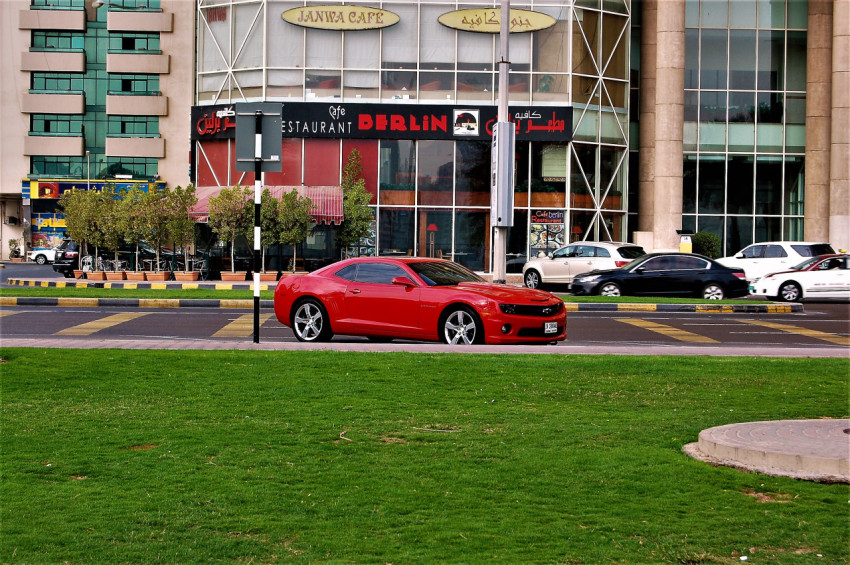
(260, 457)
(247, 294)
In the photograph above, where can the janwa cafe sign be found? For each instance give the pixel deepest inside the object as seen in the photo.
(343, 18)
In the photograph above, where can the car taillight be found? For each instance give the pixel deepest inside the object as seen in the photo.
(621, 263)
(741, 276)
(71, 254)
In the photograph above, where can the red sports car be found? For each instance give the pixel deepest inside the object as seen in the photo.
(415, 298)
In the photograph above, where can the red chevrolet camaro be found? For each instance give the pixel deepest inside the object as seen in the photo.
(415, 298)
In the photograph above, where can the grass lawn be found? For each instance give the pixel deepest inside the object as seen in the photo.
(259, 457)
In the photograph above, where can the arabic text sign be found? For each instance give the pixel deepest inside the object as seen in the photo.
(488, 20)
(395, 121)
(348, 18)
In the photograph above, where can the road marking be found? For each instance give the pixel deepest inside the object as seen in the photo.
(831, 338)
(243, 326)
(96, 325)
(669, 331)
(4, 313)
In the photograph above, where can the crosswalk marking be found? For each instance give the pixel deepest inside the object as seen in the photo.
(669, 331)
(831, 338)
(243, 326)
(96, 325)
(6, 313)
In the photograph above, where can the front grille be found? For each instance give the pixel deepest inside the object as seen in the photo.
(538, 332)
(526, 310)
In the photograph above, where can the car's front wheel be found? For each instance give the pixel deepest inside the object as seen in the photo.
(40, 259)
(610, 289)
(713, 291)
(790, 292)
(310, 322)
(532, 279)
(462, 327)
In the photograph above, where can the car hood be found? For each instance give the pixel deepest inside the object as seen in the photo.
(599, 272)
(506, 293)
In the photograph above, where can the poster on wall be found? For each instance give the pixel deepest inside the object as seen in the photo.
(547, 231)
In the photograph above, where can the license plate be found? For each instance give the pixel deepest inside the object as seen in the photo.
(550, 327)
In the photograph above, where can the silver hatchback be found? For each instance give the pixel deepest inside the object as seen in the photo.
(572, 260)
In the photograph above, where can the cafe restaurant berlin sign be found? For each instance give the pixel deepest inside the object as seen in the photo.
(343, 18)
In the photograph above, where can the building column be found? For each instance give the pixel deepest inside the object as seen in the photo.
(662, 114)
(818, 120)
(839, 183)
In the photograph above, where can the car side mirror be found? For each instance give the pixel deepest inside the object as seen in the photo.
(640, 270)
(403, 281)
(739, 256)
(549, 255)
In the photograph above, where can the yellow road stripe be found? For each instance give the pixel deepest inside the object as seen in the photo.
(8, 300)
(831, 338)
(159, 303)
(637, 307)
(7, 313)
(669, 331)
(103, 323)
(77, 302)
(243, 326)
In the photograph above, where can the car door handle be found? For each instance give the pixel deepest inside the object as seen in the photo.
(354, 291)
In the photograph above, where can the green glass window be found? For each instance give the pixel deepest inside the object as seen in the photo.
(136, 126)
(133, 84)
(133, 42)
(61, 41)
(53, 124)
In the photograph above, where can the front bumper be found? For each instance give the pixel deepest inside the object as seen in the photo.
(523, 329)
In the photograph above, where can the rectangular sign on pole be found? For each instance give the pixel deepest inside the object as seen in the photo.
(247, 128)
(502, 175)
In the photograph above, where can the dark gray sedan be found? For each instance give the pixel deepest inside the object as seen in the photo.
(666, 274)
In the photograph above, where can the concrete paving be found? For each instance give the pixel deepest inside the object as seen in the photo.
(814, 450)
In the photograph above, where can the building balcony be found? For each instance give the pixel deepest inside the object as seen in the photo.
(126, 105)
(53, 103)
(151, 147)
(149, 22)
(53, 61)
(129, 63)
(65, 145)
(73, 20)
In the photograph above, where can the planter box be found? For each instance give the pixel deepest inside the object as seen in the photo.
(115, 275)
(231, 276)
(268, 276)
(157, 275)
(79, 274)
(185, 276)
(17, 259)
(135, 275)
(96, 275)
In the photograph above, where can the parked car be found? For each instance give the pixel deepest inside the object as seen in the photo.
(567, 262)
(415, 298)
(67, 258)
(825, 276)
(760, 259)
(42, 255)
(666, 274)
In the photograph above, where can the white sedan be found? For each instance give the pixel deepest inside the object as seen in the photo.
(43, 255)
(828, 278)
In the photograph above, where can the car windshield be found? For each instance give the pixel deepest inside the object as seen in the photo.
(804, 264)
(631, 252)
(443, 273)
(812, 250)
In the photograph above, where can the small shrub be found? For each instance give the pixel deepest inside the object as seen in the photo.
(706, 243)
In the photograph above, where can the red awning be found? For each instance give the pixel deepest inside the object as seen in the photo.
(327, 201)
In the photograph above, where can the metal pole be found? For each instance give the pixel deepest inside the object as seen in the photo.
(258, 176)
(500, 235)
(88, 171)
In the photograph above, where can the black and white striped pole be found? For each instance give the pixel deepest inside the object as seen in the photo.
(258, 147)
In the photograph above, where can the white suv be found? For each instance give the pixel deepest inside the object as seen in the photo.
(759, 259)
(567, 262)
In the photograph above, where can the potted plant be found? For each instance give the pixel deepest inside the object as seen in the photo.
(79, 207)
(294, 220)
(130, 210)
(229, 218)
(155, 216)
(269, 230)
(182, 227)
(357, 215)
(15, 251)
(112, 227)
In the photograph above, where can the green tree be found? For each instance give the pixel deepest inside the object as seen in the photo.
(269, 223)
(180, 225)
(229, 216)
(80, 209)
(155, 215)
(706, 243)
(112, 224)
(357, 215)
(295, 220)
(134, 226)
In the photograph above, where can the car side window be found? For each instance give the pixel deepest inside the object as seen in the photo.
(774, 251)
(689, 263)
(347, 273)
(379, 273)
(563, 252)
(585, 251)
(602, 252)
(753, 252)
(655, 264)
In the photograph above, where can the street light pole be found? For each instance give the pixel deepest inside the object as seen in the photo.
(88, 171)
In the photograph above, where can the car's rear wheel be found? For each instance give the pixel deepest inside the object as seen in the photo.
(462, 326)
(532, 279)
(40, 259)
(310, 321)
(610, 289)
(790, 292)
(713, 291)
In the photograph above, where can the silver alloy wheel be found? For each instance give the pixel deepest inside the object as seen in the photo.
(41, 259)
(609, 289)
(789, 292)
(460, 328)
(532, 279)
(713, 291)
(308, 322)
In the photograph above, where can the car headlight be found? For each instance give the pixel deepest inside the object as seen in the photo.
(589, 278)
